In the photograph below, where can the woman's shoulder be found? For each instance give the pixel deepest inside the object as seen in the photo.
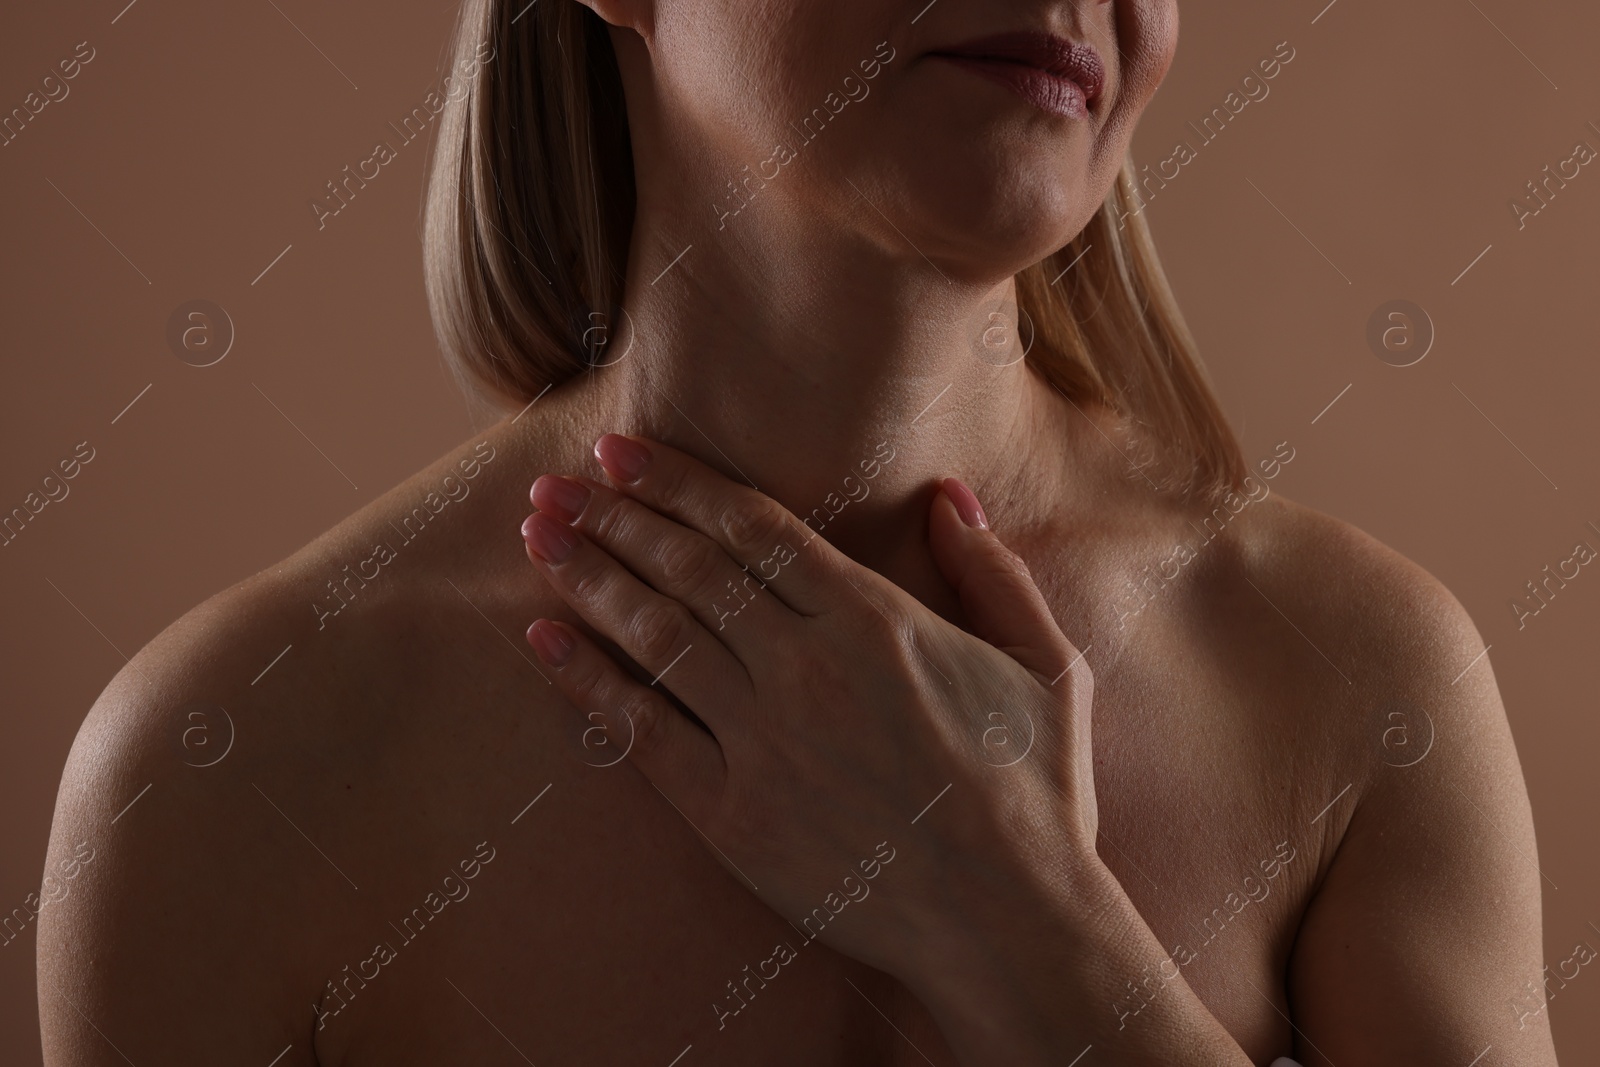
(1259, 567)
(1323, 573)
(1344, 632)
(375, 582)
(312, 641)
(283, 713)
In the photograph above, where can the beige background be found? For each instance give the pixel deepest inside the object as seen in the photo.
(1379, 167)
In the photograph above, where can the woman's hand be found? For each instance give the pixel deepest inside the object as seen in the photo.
(857, 740)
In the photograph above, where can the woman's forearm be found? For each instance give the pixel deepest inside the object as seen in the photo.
(1045, 971)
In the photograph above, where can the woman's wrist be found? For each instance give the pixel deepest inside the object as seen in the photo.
(1005, 936)
(1031, 968)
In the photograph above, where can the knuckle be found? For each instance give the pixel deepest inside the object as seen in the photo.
(672, 486)
(588, 688)
(1006, 565)
(589, 586)
(1017, 565)
(657, 631)
(643, 712)
(887, 629)
(754, 527)
(610, 522)
(689, 563)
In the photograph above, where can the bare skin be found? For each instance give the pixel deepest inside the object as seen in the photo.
(389, 750)
(407, 731)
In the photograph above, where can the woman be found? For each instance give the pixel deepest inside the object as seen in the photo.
(872, 467)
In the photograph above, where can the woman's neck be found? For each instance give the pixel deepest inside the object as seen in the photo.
(844, 382)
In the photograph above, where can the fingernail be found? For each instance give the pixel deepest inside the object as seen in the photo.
(966, 503)
(561, 497)
(622, 457)
(552, 541)
(549, 642)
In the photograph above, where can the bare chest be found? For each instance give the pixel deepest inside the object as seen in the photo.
(542, 906)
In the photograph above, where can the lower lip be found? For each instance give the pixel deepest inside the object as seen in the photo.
(1045, 91)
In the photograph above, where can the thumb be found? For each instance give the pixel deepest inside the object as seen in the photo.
(1003, 605)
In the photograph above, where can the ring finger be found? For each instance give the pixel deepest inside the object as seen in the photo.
(657, 631)
(728, 599)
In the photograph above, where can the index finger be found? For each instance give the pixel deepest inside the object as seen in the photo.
(800, 568)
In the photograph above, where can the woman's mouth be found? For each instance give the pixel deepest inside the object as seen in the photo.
(1050, 72)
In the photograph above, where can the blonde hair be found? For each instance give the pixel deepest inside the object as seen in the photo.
(530, 208)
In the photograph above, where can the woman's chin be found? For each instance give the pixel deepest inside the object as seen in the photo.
(989, 240)
(998, 216)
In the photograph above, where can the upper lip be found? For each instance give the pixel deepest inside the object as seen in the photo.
(1043, 51)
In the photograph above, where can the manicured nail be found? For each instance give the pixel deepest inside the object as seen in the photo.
(549, 642)
(966, 503)
(621, 457)
(552, 541)
(561, 497)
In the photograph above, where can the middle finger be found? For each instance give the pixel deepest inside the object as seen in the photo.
(728, 599)
(659, 633)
